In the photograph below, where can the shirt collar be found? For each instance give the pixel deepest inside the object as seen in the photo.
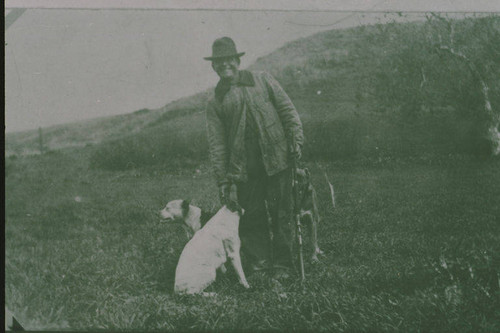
(245, 78)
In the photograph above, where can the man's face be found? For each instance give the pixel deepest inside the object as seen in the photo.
(226, 68)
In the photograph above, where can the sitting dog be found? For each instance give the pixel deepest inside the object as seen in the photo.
(190, 217)
(208, 250)
(308, 204)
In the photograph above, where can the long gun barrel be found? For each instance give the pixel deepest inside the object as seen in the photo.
(271, 235)
(296, 208)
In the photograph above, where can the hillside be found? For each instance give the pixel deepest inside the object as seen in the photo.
(93, 131)
(374, 91)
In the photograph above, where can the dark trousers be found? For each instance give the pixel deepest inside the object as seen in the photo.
(254, 226)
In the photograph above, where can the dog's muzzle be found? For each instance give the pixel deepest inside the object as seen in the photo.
(166, 216)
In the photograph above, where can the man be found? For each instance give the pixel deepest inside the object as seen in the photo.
(251, 123)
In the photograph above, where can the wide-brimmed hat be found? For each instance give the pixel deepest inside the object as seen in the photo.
(222, 48)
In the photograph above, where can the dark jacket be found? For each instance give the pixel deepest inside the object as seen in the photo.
(276, 118)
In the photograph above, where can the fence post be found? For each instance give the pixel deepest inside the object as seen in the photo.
(40, 140)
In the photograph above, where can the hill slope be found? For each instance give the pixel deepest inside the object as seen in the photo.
(376, 91)
(95, 130)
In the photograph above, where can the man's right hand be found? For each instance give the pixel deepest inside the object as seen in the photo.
(224, 193)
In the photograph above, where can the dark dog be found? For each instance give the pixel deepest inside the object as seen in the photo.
(308, 203)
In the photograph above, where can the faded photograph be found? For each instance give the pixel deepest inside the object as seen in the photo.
(171, 169)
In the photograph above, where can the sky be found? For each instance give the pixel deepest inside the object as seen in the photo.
(70, 64)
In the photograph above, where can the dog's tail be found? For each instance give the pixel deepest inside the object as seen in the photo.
(332, 192)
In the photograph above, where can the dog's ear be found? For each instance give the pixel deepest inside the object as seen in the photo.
(185, 207)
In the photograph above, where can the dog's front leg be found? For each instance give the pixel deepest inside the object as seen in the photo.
(314, 233)
(189, 233)
(314, 228)
(232, 248)
(312, 219)
(315, 219)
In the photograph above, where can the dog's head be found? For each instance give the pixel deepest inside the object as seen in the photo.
(182, 212)
(175, 210)
(303, 178)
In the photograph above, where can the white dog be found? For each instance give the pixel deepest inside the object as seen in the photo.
(209, 248)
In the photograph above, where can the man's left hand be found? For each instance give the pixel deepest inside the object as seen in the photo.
(296, 152)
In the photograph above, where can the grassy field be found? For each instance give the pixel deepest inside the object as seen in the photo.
(413, 245)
